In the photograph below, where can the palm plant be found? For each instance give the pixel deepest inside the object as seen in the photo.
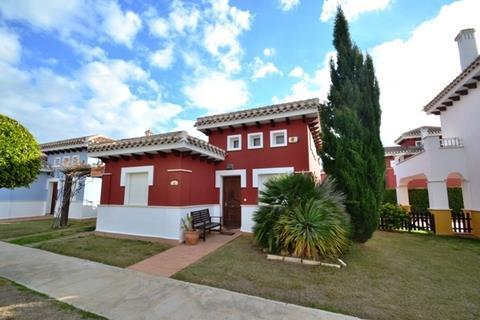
(302, 217)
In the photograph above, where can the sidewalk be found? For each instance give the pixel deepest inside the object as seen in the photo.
(170, 261)
(118, 293)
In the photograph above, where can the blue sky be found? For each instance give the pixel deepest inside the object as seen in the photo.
(118, 68)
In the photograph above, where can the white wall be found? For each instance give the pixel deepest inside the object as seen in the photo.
(462, 120)
(22, 209)
(151, 221)
(247, 217)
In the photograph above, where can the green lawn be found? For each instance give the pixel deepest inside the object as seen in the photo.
(116, 252)
(18, 302)
(10, 230)
(393, 276)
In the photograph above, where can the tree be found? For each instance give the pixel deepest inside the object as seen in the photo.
(352, 151)
(73, 176)
(20, 156)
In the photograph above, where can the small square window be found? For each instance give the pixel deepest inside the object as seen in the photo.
(278, 138)
(234, 143)
(66, 161)
(76, 159)
(57, 162)
(255, 140)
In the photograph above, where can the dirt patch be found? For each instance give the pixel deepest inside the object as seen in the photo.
(20, 303)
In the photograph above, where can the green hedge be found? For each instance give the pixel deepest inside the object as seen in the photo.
(419, 199)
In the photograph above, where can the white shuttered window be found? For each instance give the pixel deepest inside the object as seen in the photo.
(136, 189)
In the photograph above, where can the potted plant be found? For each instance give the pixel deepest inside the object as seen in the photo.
(190, 235)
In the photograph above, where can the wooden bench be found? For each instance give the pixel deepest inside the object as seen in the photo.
(202, 220)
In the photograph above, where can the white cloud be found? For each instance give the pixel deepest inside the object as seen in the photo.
(287, 5)
(47, 15)
(297, 72)
(121, 26)
(221, 35)
(262, 69)
(183, 17)
(268, 52)
(163, 58)
(99, 98)
(217, 92)
(411, 72)
(309, 86)
(351, 8)
(10, 48)
(159, 27)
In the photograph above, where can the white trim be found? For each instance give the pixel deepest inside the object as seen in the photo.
(179, 170)
(182, 146)
(272, 140)
(259, 172)
(254, 134)
(219, 174)
(229, 138)
(51, 180)
(292, 114)
(147, 169)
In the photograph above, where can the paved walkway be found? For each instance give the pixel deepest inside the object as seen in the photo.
(118, 293)
(170, 261)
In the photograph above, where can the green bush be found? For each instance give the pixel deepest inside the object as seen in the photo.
(301, 217)
(393, 216)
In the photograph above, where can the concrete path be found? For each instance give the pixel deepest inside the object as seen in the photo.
(170, 261)
(118, 293)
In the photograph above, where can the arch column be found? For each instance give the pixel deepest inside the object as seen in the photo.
(439, 207)
(402, 197)
(468, 207)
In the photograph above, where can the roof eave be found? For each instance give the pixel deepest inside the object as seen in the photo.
(309, 113)
(154, 148)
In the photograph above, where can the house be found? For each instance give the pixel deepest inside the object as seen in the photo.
(456, 154)
(408, 144)
(151, 182)
(43, 195)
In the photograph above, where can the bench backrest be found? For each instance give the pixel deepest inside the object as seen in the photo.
(200, 216)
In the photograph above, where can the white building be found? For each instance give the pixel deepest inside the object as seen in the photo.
(457, 153)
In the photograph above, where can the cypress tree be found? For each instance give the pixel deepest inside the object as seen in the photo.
(352, 150)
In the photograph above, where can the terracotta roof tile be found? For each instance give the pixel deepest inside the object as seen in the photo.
(416, 133)
(73, 143)
(258, 112)
(163, 139)
(399, 150)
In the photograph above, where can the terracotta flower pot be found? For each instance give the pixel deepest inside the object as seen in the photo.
(191, 237)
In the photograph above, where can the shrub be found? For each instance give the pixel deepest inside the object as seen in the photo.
(393, 216)
(312, 231)
(301, 217)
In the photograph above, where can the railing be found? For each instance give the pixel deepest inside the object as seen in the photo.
(416, 222)
(461, 222)
(451, 143)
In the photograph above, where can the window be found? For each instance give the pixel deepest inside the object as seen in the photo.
(66, 161)
(255, 140)
(234, 142)
(75, 159)
(57, 162)
(418, 143)
(136, 189)
(278, 138)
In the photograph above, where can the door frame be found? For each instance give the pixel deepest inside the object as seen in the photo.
(50, 183)
(222, 204)
(219, 174)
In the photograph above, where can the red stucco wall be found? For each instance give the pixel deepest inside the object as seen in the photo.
(197, 187)
(293, 155)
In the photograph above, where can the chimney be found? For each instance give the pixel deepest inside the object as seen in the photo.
(467, 47)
